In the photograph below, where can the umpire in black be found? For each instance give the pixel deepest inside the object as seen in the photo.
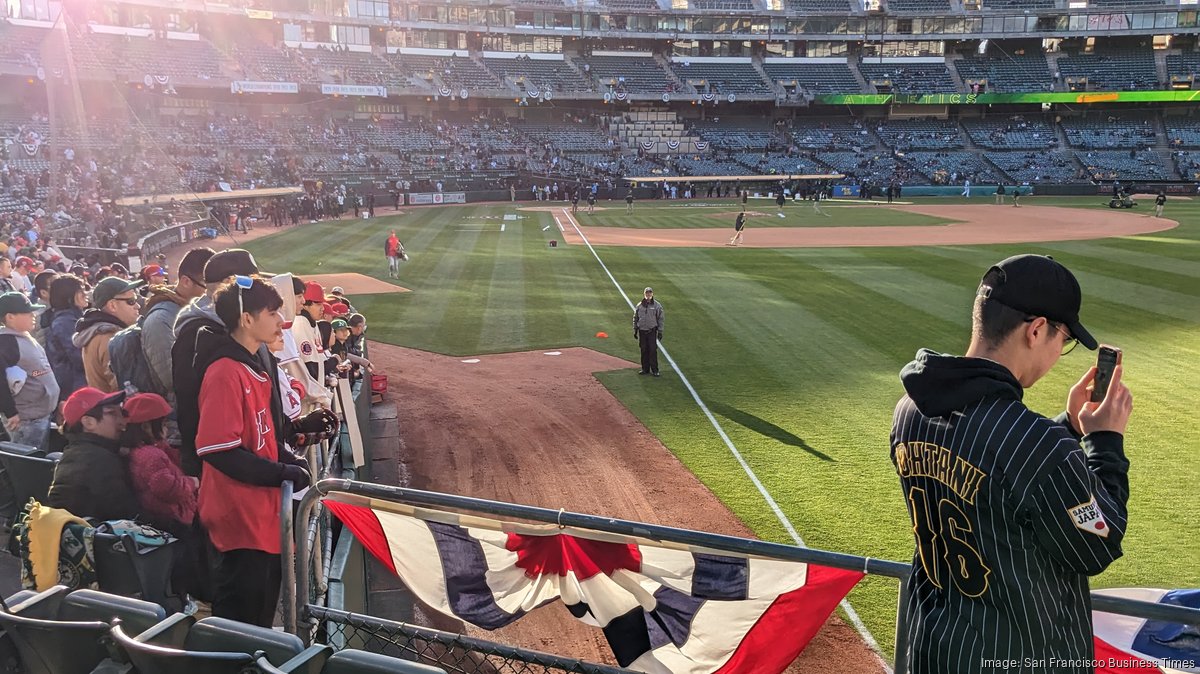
(648, 329)
(1011, 511)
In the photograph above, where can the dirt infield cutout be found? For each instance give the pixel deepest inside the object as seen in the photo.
(354, 284)
(526, 428)
(971, 225)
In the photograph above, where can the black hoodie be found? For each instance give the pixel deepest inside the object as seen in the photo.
(240, 463)
(1010, 517)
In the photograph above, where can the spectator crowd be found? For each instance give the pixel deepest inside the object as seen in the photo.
(181, 401)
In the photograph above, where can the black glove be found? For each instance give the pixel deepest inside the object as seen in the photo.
(660, 335)
(295, 460)
(635, 333)
(298, 476)
(314, 427)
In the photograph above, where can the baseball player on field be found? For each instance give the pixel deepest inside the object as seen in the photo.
(1011, 511)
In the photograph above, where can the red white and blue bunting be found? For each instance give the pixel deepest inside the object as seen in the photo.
(533, 93)
(708, 97)
(701, 145)
(672, 145)
(31, 149)
(621, 95)
(647, 145)
(445, 91)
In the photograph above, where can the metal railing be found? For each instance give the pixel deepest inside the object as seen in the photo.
(304, 617)
(454, 653)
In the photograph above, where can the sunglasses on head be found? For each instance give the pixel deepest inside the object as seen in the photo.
(243, 283)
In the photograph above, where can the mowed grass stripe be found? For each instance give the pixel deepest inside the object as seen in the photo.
(1167, 303)
(462, 311)
(897, 280)
(504, 312)
(1133, 263)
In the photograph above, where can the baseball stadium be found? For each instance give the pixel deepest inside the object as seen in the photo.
(595, 345)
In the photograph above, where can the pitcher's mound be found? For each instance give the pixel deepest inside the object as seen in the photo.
(354, 284)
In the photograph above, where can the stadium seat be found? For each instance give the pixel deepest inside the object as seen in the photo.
(230, 636)
(86, 605)
(352, 661)
(148, 658)
(28, 470)
(56, 647)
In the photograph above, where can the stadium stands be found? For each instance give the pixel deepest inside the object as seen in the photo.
(1113, 70)
(829, 134)
(876, 166)
(352, 67)
(950, 168)
(262, 62)
(1007, 73)
(573, 138)
(819, 6)
(456, 72)
(534, 74)
(1188, 164)
(1011, 133)
(817, 78)
(739, 135)
(1018, 4)
(634, 74)
(925, 78)
(1185, 64)
(1106, 131)
(1036, 167)
(768, 163)
(722, 78)
(918, 5)
(1182, 131)
(1133, 165)
(20, 45)
(920, 134)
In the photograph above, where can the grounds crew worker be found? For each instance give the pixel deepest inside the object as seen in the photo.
(1011, 511)
(648, 329)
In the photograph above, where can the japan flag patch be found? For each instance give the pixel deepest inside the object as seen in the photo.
(1089, 518)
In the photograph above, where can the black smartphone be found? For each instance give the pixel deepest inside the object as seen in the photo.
(1107, 360)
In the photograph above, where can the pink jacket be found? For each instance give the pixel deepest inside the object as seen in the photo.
(163, 490)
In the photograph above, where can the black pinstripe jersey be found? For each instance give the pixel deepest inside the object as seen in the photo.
(1010, 516)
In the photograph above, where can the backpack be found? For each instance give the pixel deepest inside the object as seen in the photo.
(128, 361)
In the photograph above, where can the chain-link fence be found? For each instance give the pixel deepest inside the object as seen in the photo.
(453, 653)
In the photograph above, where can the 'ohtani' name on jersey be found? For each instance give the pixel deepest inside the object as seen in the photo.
(925, 459)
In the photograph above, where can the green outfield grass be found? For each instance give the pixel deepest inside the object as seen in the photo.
(797, 353)
(700, 213)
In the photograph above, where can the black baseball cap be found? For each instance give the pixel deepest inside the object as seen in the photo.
(231, 262)
(1038, 285)
(14, 302)
(193, 262)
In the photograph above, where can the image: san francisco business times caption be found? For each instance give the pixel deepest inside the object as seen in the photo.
(1054, 664)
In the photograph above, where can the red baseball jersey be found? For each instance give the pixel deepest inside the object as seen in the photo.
(235, 411)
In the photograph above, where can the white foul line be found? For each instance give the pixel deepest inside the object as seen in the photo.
(783, 519)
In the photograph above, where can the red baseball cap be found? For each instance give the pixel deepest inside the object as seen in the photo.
(143, 407)
(339, 309)
(86, 401)
(313, 292)
(152, 270)
(25, 260)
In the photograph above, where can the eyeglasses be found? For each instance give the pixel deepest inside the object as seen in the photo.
(1069, 343)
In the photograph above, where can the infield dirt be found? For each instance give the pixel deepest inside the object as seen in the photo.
(541, 430)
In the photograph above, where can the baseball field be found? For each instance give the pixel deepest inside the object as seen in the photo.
(795, 350)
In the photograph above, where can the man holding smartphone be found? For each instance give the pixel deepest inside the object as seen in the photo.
(1011, 511)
